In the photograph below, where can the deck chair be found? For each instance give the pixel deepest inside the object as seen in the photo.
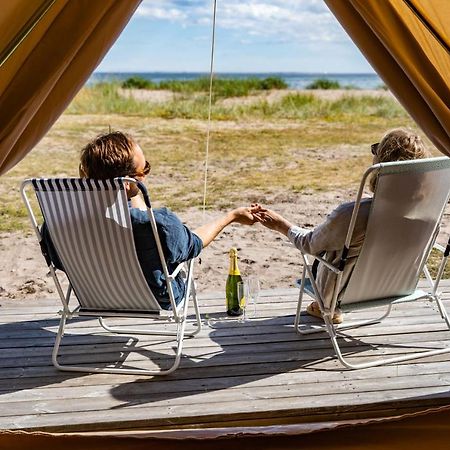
(406, 210)
(90, 226)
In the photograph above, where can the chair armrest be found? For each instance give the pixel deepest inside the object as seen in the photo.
(322, 260)
(439, 247)
(327, 264)
(180, 266)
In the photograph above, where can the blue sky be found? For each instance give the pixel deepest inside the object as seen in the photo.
(251, 36)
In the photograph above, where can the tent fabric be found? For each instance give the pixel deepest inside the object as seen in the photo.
(407, 43)
(50, 64)
(408, 432)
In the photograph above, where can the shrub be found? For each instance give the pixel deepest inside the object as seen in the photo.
(324, 83)
(273, 83)
(222, 87)
(138, 83)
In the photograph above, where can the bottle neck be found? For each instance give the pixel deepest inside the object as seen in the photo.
(234, 269)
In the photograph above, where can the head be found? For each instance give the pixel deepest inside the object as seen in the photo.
(111, 155)
(400, 144)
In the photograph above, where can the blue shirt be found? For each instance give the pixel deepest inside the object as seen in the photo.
(179, 244)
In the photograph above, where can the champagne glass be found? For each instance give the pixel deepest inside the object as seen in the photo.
(254, 288)
(243, 295)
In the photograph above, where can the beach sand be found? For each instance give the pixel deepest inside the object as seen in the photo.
(262, 252)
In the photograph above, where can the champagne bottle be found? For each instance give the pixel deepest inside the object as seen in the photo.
(234, 276)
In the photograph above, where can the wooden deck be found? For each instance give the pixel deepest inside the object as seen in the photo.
(260, 372)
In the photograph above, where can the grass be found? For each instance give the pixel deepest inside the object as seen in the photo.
(276, 158)
(223, 87)
(106, 98)
(323, 83)
(297, 143)
(433, 264)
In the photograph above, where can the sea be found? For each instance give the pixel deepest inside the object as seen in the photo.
(293, 80)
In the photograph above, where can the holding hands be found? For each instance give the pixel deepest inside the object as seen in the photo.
(246, 215)
(270, 219)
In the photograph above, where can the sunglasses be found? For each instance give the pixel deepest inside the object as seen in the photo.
(145, 171)
(374, 148)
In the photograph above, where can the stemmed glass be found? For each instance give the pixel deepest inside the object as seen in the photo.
(248, 290)
(254, 288)
(243, 296)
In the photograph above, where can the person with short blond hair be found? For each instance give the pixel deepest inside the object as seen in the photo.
(328, 238)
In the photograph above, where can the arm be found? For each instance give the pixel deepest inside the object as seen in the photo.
(302, 238)
(328, 236)
(208, 232)
(274, 221)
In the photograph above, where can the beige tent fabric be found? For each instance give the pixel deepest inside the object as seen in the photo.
(406, 41)
(410, 432)
(51, 64)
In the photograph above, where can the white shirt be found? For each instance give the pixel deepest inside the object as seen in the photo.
(329, 238)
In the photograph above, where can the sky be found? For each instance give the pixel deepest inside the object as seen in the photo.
(251, 36)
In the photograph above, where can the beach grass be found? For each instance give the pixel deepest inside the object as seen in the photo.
(222, 87)
(107, 98)
(295, 144)
(273, 158)
(324, 83)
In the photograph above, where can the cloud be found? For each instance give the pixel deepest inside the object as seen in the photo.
(252, 20)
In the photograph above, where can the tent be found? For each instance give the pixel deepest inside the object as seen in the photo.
(49, 48)
(406, 41)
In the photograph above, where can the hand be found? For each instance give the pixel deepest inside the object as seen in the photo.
(272, 220)
(245, 215)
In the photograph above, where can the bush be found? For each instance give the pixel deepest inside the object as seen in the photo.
(324, 83)
(222, 87)
(138, 83)
(273, 83)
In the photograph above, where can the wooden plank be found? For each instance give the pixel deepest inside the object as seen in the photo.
(182, 414)
(141, 393)
(257, 371)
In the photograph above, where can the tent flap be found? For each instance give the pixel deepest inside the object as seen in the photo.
(406, 43)
(54, 59)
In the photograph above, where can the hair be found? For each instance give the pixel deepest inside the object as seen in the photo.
(399, 144)
(108, 156)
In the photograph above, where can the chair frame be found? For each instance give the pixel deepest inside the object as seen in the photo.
(327, 313)
(176, 316)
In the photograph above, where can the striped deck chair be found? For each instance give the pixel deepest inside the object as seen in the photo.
(406, 210)
(90, 226)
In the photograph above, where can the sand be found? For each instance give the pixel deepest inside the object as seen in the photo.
(271, 96)
(262, 252)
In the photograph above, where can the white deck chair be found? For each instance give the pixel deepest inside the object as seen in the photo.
(406, 210)
(90, 226)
